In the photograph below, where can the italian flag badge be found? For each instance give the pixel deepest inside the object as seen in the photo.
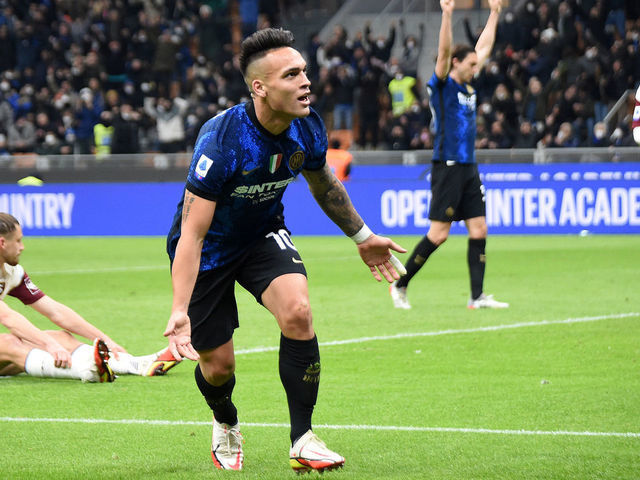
(274, 162)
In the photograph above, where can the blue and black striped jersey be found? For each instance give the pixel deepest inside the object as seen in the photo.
(245, 169)
(454, 114)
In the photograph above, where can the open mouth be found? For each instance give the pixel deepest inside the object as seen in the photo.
(304, 99)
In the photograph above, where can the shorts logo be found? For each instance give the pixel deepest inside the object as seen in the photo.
(296, 160)
(449, 211)
(274, 162)
(203, 166)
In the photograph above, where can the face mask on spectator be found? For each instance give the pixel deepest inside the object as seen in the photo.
(4, 86)
(380, 43)
(599, 133)
(494, 69)
(50, 139)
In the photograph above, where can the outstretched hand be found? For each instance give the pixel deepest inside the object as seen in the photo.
(376, 253)
(179, 333)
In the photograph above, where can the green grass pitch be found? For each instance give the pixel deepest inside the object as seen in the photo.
(547, 389)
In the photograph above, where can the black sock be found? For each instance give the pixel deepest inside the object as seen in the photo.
(477, 260)
(300, 376)
(218, 398)
(419, 255)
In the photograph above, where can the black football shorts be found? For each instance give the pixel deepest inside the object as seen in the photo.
(456, 192)
(213, 310)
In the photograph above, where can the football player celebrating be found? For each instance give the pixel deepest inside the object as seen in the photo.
(229, 227)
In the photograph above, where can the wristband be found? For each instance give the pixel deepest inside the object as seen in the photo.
(364, 233)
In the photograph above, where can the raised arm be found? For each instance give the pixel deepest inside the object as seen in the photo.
(197, 214)
(445, 39)
(335, 202)
(488, 36)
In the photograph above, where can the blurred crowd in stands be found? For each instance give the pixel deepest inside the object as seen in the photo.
(130, 76)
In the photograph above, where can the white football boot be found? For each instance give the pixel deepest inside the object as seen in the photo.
(486, 301)
(226, 446)
(399, 296)
(310, 453)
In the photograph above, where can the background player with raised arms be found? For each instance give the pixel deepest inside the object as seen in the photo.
(229, 227)
(456, 190)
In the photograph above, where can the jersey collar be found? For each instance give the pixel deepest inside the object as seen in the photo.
(250, 109)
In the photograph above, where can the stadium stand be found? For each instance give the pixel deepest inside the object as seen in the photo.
(556, 73)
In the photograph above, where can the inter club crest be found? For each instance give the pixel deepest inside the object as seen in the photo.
(296, 160)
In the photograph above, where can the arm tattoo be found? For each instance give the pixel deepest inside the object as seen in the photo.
(189, 198)
(334, 200)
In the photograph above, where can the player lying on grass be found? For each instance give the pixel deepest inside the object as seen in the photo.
(57, 353)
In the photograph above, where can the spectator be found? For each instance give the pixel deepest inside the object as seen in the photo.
(497, 136)
(380, 47)
(7, 49)
(343, 82)
(213, 31)
(126, 130)
(599, 137)
(164, 63)
(87, 116)
(403, 90)
(411, 50)
(169, 117)
(103, 135)
(114, 61)
(565, 137)
(369, 76)
(337, 49)
(322, 95)
(22, 136)
(526, 137)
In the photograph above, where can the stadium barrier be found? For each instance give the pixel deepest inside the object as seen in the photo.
(549, 198)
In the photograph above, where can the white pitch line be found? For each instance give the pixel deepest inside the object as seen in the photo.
(75, 271)
(391, 428)
(492, 328)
